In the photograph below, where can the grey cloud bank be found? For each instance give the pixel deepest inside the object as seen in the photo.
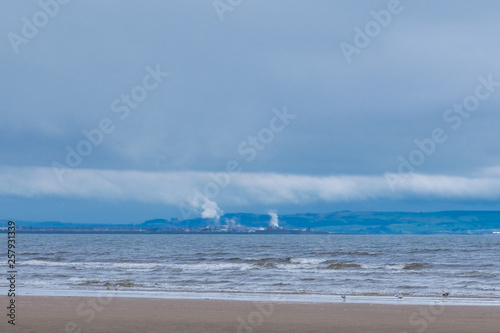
(231, 64)
(176, 188)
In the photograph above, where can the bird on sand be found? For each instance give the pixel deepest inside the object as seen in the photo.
(343, 297)
(398, 295)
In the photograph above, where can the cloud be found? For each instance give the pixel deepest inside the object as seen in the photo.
(353, 119)
(186, 188)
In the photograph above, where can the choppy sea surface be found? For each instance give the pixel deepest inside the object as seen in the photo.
(322, 265)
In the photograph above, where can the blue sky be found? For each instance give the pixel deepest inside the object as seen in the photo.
(118, 111)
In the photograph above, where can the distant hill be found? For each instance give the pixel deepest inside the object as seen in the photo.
(461, 222)
(361, 222)
(399, 222)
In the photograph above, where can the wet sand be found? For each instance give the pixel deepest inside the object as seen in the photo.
(121, 315)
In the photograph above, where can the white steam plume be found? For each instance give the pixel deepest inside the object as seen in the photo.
(273, 223)
(231, 223)
(211, 210)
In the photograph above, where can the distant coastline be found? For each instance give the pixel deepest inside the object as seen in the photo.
(343, 222)
(166, 231)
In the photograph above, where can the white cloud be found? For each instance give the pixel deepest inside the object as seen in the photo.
(184, 188)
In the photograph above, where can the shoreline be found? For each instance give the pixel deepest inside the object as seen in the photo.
(274, 297)
(124, 314)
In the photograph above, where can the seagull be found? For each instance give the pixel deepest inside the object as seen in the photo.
(399, 295)
(343, 297)
(445, 294)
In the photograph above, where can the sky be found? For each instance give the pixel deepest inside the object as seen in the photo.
(124, 111)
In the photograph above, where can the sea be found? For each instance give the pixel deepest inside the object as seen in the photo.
(313, 267)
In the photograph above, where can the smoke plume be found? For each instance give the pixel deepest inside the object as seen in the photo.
(273, 223)
(211, 210)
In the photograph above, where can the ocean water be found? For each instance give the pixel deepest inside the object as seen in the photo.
(362, 265)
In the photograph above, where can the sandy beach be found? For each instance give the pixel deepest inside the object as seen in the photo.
(92, 314)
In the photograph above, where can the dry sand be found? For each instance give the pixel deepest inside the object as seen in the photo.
(136, 315)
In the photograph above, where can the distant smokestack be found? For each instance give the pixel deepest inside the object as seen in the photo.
(231, 223)
(273, 223)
